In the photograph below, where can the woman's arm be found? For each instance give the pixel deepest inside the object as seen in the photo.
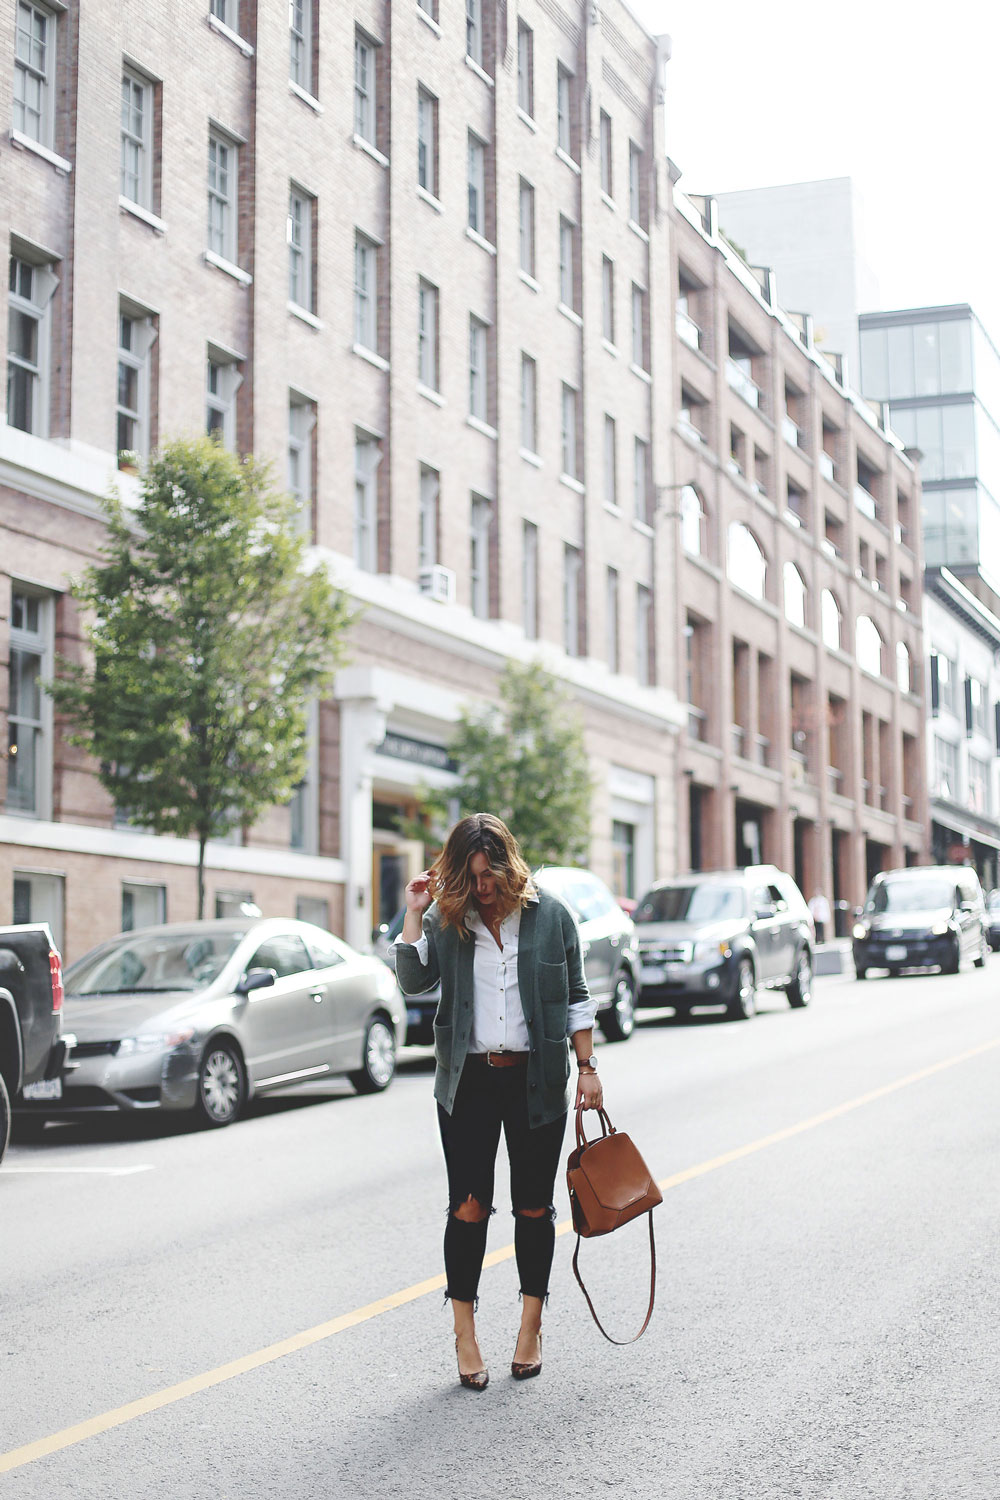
(589, 1092)
(415, 955)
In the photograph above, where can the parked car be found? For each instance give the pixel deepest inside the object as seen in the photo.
(716, 938)
(925, 916)
(33, 1048)
(611, 960)
(993, 920)
(202, 1016)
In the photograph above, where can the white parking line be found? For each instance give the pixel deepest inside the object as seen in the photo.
(74, 1171)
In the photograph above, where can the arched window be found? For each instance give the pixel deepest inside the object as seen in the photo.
(746, 564)
(795, 595)
(692, 521)
(902, 667)
(868, 645)
(831, 621)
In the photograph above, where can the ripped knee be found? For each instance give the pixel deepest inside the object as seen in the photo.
(471, 1211)
(533, 1213)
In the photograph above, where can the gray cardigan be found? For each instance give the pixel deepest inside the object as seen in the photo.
(550, 978)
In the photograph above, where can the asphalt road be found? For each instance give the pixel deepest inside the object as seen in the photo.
(828, 1313)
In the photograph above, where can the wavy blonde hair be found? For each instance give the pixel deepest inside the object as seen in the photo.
(452, 882)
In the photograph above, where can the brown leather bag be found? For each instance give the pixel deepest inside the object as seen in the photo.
(609, 1185)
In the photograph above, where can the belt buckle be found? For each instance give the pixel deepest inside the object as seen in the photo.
(489, 1059)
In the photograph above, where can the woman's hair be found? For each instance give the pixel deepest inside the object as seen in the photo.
(453, 883)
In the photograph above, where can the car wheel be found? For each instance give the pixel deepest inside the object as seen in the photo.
(799, 992)
(222, 1085)
(743, 1006)
(860, 973)
(378, 1059)
(893, 973)
(618, 1021)
(980, 962)
(4, 1117)
(953, 961)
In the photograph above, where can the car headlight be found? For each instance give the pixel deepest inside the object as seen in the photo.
(153, 1041)
(860, 930)
(710, 948)
(940, 929)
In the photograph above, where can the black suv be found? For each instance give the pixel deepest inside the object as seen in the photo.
(924, 916)
(715, 938)
(33, 1049)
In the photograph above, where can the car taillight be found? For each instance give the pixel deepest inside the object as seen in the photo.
(55, 973)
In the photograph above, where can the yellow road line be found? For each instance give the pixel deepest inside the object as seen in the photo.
(69, 1436)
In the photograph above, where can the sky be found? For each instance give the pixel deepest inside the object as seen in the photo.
(900, 98)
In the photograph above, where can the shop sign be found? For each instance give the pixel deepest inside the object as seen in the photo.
(417, 752)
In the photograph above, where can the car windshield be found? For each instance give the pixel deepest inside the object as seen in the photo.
(911, 895)
(706, 902)
(154, 963)
(994, 901)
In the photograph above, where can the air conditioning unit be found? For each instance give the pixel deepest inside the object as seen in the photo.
(438, 583)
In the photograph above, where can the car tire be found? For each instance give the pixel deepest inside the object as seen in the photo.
(893, 973)
(378, 1058)
(799, 992)
(954, 962)
(743, 1006)
(618, 1021)
(4, 1117)
(980, 962)
(222, 1085)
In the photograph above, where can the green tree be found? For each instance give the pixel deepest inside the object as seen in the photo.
(525, 761)
(206, 640)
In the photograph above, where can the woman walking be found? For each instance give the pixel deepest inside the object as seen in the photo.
(513, 995)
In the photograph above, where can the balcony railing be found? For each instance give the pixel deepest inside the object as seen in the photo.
(739, 381)
(697, 723)
(739, 741)
(789, 431)
(827, 467)
(865, 501)
(798, 766)
(835, 778)
(687, 330)
(762, 749)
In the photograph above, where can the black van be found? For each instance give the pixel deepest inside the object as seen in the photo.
(926, 916)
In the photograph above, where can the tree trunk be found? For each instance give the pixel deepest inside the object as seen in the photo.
(202, 841)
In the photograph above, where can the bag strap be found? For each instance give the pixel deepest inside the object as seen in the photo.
(606, 1126)
(652, 1289)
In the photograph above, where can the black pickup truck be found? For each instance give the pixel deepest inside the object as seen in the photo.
(33, 1049)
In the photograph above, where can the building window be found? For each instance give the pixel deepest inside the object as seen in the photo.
(479, 557)
(142, 905)
(301, 288)
(641, 481)
(831, 621)
(608, 299)
(572, 573)
(610, 461)
(640, 323)
(527, 207)
(746, 564)
(474, 30)
(365, 293)
(944, 684)
(136, 336)
(945, 770)
(979, 786)
(868, 646)
(34, 73)
(427, 538)
(623, 857)
(300, 26)
(692, 522)
(570, 397)
(795, 595)
(529, 404)
(29, 337)
(301, 425)
(477, 184)
(365, 118)
(975, 706)
(644, 635)
(223, 380)
(226, 11)
(903, 667)
(29, 716)
(478, 404)
(607, 175)
(39, 897)
(611, 618)
(567, 263)
(525, 68)
(367, 457)
(636, 197)
(427, 334)
(564, 109)
(235, 904)
(529, 580)
(136, 182)
(427, 145)
(316, 909)
(223, 161)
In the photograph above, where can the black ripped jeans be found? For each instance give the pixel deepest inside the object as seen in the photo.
(488, 1100)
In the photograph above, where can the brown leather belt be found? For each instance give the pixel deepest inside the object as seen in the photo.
(506, 1059)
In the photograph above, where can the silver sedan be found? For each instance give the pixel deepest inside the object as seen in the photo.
(202, 1016)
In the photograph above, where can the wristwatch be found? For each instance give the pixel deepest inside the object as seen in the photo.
(587, 1062)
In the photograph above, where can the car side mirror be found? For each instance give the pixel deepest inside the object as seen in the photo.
(256, 979)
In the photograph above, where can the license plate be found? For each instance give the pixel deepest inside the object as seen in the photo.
(45, 1088)
(652, 975)
(895, 953)
(413, 1017)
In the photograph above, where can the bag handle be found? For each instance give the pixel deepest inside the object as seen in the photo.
(652, 1289)
(606, 1126)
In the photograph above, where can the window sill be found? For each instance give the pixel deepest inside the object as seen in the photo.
(221, 264)
(480, 426)
(568, 312)
(429, 21)
(609, 346)
(305, 316)
(565, 157)
(638, 229)
(477, 239)
(642, 374)
(470, 62)
(525, 118)
(613, 510)
(369, 150)
(305, 96)
(430, 394)
(642, 527)
(573, 484)
(607, 198)
(25, 143)
(529, 281)
(430, 199)
(230, 35)
(138, 212)
(530, 458)
(370, 356)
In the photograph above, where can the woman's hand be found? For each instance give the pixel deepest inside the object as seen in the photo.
(589, 1092)
(418, 893)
